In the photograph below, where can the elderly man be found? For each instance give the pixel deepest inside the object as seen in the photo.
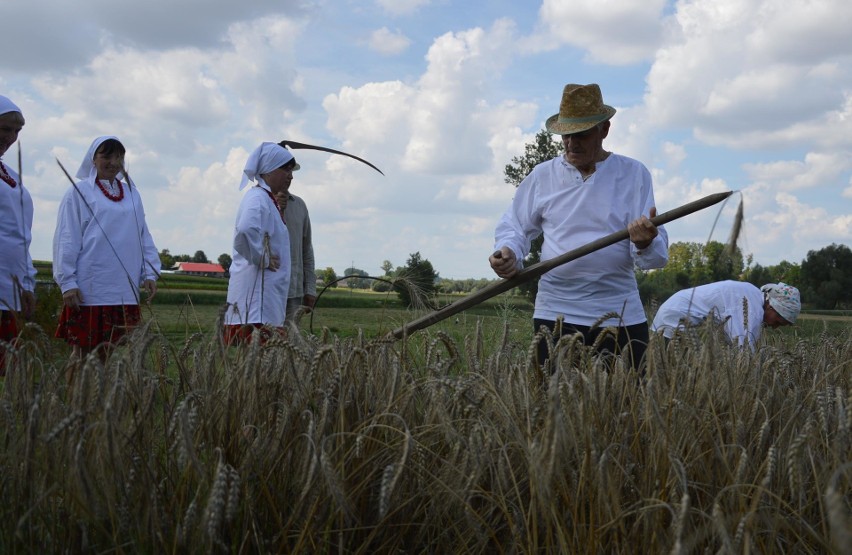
(574, 199)
(303, 278)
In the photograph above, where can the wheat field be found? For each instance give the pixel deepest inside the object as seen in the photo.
(317, 444)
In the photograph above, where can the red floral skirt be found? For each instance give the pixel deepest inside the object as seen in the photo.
(8, 325)
(241, 333)
(89, 326)
(8, 333)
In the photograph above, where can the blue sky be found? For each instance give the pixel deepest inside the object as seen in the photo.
(712, 95)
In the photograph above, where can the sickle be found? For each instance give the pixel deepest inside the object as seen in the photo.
(295, 145)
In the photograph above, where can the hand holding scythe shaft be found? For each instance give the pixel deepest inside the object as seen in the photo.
(536, 270)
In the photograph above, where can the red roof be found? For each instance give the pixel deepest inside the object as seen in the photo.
(200, 267)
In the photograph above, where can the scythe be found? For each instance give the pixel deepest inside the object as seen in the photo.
(544, 266)
(295, 145)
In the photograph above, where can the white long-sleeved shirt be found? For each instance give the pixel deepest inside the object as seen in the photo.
(16, 222)
(256, 294)
(553, 199)
(303, 278)
(103, 247)
(724, 301)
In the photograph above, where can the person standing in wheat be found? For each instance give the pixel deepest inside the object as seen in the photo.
(260, 271)
(17, 273)
(574, 199)
(303, 278)
(103, 253)
(739, 307)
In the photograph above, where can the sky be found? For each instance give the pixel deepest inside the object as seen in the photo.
(753, 96)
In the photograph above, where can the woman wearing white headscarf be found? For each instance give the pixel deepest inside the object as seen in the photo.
(741, 308)
(102, 252)
(260, 271)
(17, 273)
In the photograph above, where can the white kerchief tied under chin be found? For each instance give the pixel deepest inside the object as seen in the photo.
(264, 159)
(87, 168)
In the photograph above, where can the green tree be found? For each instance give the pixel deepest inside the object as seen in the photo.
(826, 277)
(387, 267)
(417, 282)
(225, 261)
(167, 261)
(328, 276)
(199, 256)
(356, 278)
(542, 149)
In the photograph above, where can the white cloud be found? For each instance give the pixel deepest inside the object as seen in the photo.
(817, 169)
(388, 43)
(723, 72)
(69, 33)
(612, 32)
(402, 7)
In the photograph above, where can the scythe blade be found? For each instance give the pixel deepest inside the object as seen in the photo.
(295, 145)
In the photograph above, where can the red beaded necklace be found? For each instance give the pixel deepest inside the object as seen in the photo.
(275, 202)
(107, 194)
(4, 175)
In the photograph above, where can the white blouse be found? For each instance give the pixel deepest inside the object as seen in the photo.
(256, 294)
(724, 301)
(571, 212)
(103, 247)
(16, 222)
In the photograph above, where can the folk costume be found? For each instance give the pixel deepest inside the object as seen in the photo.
(257, 295)
(102, 246)
(572, 209)
(737, 306)
(17, 273)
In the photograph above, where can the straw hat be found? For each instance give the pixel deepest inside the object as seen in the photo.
(581, 108)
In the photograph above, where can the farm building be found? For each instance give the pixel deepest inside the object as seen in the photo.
(199, 269)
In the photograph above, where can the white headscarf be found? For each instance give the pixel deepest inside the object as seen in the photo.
(7, 106)
(87, 168)
(264, 159)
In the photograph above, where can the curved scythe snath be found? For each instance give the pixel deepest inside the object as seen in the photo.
(295, 145)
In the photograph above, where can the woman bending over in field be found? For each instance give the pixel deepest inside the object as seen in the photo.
(741, 308)
(102, 253)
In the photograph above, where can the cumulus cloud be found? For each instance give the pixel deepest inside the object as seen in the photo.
(438, 125)
(722, 71)
(69, 33)
(388, 43)
(817, 169)
(402, 7)
(613, 32)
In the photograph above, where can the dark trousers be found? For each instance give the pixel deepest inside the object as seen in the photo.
(630, 342)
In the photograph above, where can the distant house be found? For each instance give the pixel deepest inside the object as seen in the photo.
(199, 269)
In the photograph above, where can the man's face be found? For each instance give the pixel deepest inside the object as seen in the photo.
(11, 124)
(583, 149)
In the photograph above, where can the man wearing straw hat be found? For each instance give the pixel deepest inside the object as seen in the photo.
(573, 200)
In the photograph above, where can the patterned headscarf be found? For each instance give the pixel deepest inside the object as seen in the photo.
(784, 299)
(264, 159)
(87, 167)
